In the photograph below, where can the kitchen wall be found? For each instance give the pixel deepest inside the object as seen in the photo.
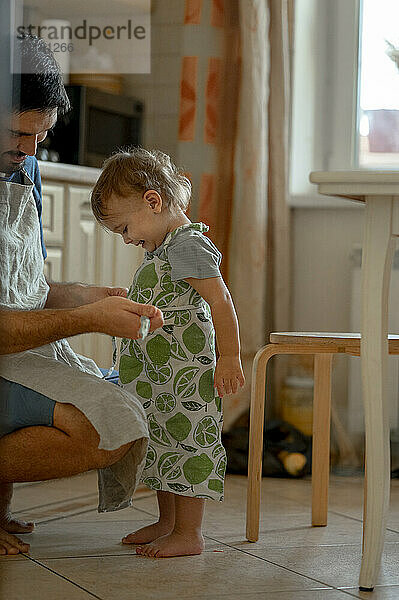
(160, 89)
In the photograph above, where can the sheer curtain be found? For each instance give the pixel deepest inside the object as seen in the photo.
(234, 82)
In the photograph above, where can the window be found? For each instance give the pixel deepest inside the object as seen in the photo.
(345, 104)
(378, 139)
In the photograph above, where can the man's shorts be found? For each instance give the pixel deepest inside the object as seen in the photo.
(23, 407)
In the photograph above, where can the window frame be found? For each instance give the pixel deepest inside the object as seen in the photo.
(326, 79)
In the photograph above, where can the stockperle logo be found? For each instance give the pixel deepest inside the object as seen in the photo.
(101, 37)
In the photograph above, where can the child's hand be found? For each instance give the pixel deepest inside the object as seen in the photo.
(228, 375)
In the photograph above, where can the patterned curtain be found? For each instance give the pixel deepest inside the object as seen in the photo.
(223, 142)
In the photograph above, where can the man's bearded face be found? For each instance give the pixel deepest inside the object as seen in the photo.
(21, 134)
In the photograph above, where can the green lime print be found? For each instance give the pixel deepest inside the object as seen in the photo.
(179, 426)
(168, 461)
(183, 379)
(142, 296)
(129, 368)
(158, 350)
(220, 469)
(157, 432)
(205, 386)
(215, 485)
(135, 350)
(164, 299)
(218, 449)
(181, 317)
(197, 468)
(174, 474)
(181, 287)
(124, 344)
(150, 458)
(192, 406)
(172, 373)
(147, 278)
(207, 432)
(158, 375)
(144, 389)
(189, 391)
(178, 487)
(194, 339)
(165, 402)
(176, 350)
(166, 283)
(195, 298)
(153, 482)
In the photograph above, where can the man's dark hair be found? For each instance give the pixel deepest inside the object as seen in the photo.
(38, 85)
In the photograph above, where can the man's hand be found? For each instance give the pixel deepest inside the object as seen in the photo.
(92, 293)
(119, 316)
(71, 295)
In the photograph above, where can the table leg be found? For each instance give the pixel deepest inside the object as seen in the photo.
(378, 249)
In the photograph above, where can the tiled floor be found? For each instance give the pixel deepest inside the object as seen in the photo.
(76, 553)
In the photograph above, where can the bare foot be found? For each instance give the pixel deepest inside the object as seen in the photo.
(148, 534)
(10, 544)
(12, 525)
(7, 521)
(173, 544)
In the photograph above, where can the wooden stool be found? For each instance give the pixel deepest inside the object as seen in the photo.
(323, 346)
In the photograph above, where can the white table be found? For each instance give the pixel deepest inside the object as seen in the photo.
(379, 191)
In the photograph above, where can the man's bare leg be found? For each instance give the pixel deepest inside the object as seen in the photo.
(7, 521)
(72, 444)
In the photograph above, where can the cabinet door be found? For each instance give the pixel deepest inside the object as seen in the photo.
(81, 265)
(53, 214)
(53, 264)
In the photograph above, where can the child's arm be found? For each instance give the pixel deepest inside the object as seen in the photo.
(228, 373)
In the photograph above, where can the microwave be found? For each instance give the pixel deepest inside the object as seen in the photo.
(98, 124)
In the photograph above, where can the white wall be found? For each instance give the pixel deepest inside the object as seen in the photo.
(160, 89)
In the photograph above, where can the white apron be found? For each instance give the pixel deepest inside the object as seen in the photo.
(54, 369)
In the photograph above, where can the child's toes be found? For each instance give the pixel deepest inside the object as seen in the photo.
(152, 552)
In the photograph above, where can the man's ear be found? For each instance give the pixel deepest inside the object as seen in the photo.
(154, 200)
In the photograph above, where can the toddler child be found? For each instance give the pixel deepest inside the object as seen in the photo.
(142, 196)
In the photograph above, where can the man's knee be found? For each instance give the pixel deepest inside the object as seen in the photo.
(74, 423)
(106, 458)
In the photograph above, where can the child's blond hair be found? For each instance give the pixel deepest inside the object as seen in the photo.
(137, 170)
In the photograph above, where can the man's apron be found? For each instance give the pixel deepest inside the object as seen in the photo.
(54, 369)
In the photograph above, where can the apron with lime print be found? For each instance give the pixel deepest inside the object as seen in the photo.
(172, 373)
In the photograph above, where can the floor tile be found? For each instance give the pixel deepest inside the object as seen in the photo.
(287, 530)
(291, 560)
(61, 539)
(389, 592)
(126, 514)
(336, 566)
(208, 575)
(329, 594)
(31, 581)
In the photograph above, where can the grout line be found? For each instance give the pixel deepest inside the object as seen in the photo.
(284, 567)
(74, 514)
(95, 494)
(66, 516)
(358, 520)
(28, 508)
(63, 577)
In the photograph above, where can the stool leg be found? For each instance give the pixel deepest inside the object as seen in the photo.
(257, 413)
(321, 438)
